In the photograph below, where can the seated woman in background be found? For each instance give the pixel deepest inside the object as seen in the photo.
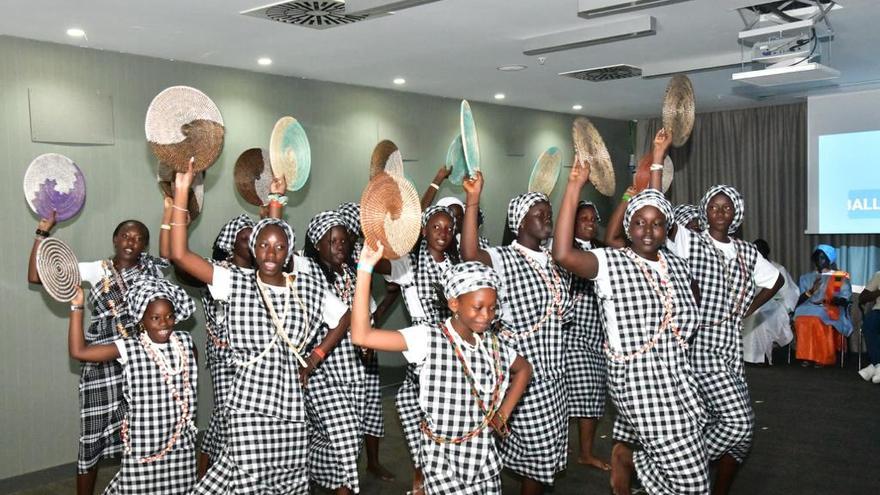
(770, 323)
(821, 311)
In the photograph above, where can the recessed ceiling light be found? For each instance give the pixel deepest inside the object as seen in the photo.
(499, 96)
(512, 68)
(577, 107)
(264, 61)
(399, 81)
(76, 33)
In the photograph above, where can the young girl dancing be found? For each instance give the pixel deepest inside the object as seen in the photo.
(649, 313)
(158, 384)
(469, 380)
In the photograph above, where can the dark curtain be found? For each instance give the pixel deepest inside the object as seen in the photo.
(762, 152)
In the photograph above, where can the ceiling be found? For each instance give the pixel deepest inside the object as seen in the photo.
(451, 47)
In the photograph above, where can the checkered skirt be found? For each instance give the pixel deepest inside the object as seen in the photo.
(152, 418)
(655, 393)
(100, 384)
(374, 422)
(221, 368)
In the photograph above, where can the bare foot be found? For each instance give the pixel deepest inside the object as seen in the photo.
(380, 472)
(622, 468)
(594, 462)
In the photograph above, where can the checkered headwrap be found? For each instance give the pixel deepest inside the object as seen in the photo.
(735, 197)
(467, 277)
(685, 213)
(262, 224)
(584, 204)
(144, 290)
(449, 201)
(433, 210)
(351, 216)
(519, 207)
(648, 197)
(226, 237)
(322, 223)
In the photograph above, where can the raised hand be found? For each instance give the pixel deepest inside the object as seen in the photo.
(662, 142)
(78, 298)
(370, 256)
(278, 185)
(184, 180)
(442, 174)
(473, 186)
(48, 224)
(580, 171)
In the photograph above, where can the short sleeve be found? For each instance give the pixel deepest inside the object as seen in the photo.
(401, 271)
(497, 262)
(416, 343)
(765, 273)
(221, 286)
(123, 354)
(680, 246)
(602, 278)
(91, 272)
(334, 309)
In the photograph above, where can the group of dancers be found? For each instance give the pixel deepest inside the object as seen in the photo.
(506, 344)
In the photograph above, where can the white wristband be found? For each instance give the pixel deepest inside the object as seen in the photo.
(656, 166)
(435, 186)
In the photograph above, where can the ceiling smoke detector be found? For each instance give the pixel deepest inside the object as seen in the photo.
(313, 14)
(607, 73)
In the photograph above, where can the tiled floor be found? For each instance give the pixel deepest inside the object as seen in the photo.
(816, 431)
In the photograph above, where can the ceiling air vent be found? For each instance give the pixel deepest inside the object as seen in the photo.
(313, 14)
(608, 73)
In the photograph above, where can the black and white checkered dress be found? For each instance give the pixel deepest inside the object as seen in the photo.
(100, 384)
(426, 279)
(220, 365)
(450, 410)
(726, 292)
(538, 442)
(152, 420)
(655, 393)
(585, 366)
(335, 398)
(266, 433)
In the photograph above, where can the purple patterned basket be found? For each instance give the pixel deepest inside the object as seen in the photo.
(53, 182)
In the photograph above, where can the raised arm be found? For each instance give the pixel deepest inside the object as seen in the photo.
(362, 332)
(76, 341)
(615, 236)
(470, 246)
(275, 209)
(431, 191)
(581, 263)
(165, 229)
(181, 256)
(44, 228)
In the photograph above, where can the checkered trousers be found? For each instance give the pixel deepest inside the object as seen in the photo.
(222, 370)
(451, 410)
(262, 456)
(152, 419)
(374, 421)
(335, 418)
(585, 366)
(718, 347)
(655, 394)
(525, 300)
(270, 386)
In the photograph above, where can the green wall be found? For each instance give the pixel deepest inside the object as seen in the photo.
(39, 409)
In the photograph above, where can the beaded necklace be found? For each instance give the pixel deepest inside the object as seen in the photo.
(344, 289)
(665, 291)
(278, 322)
(182, 402)
(108, 267)
(554, 286)
(494, 403)
(728, 280)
